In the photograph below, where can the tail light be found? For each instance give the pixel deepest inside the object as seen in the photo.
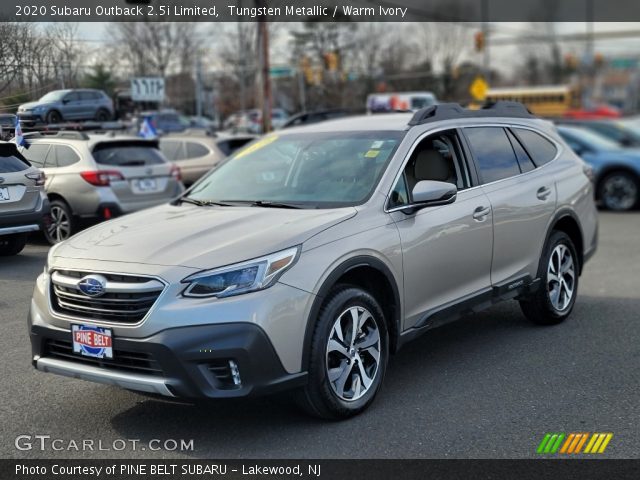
(38, 177)
(175, 173)
(101, 178)
(588, 171)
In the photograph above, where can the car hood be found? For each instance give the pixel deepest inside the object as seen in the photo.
(32, 105)
(199, 237)
(626, 154)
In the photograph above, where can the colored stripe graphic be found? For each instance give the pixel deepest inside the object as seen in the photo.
(573, 443)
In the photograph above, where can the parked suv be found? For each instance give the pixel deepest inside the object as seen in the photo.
(63, 105)
(93, 177)
(312, 254)
(23, 203)
(196, 151)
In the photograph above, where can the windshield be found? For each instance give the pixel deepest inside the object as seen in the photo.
(593, 140)
(54, 96)
(321, 170)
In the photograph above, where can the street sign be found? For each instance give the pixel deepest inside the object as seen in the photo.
(280, 72)
(478, 88)
(147, 89)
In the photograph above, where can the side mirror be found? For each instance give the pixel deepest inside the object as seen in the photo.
(430, 193)
(65, 101)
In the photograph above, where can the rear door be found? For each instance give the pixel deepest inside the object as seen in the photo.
(146, 174)
(17, 192)
(523, 200)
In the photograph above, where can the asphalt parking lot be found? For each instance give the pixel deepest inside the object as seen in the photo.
(488, 386)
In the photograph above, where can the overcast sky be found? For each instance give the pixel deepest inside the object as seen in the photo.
(95, 33)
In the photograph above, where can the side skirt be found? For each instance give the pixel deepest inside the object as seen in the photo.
(512, 289)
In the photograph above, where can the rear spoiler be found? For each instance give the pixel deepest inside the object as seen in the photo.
(10, 149)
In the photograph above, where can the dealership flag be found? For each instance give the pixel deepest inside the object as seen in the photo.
(147, 130)
(19, 139)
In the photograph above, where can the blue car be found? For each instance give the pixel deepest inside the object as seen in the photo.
(616, 169)
(66, 105)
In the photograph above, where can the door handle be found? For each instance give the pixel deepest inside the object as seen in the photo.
(543, 193)
(480, 213)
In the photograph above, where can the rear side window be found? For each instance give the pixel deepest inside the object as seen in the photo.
(36, 154)
(526, 164)
(65, 155)
(195, 150)
(493, 153)
(127, 154)
(172, 149)
(230, 146)
(539, 148)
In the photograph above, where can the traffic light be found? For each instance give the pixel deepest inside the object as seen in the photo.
(479, 41)
(598, 60)
(331, 61)
(307, 71)
(570, 61)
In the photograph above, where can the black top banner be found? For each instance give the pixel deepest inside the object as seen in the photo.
(320, 10)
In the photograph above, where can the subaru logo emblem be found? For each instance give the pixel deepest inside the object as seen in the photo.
(93, 285)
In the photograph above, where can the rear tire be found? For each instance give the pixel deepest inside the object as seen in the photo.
(103, 115)
(619, 191)
(554, 300)
(12, 244)
(62, 224)
(346, 370)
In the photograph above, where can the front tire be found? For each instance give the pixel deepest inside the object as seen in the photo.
(62, 224)
(349, 353)
(12, 244)
(53, 117)
(554, 300)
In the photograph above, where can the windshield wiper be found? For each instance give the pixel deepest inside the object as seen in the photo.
(202, 203)
(267, 204)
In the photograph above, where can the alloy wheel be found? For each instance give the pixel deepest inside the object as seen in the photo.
(353, 353)
(619, 192)
(561, 276)
(60, 227)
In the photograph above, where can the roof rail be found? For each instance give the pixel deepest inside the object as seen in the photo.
(447, 111)
(71, 134)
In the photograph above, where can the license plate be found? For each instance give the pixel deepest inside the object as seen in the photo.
(146, 184)
(4, 194)
(92, 341)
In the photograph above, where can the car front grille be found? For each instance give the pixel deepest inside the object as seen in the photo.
(133, 362)
(126, 300)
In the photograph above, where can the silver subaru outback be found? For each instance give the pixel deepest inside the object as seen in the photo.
(314, 253)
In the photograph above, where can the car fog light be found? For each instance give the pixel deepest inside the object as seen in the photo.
(235, 373)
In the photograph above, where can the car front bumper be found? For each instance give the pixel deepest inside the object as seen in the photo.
(30, 117)
(186, 362)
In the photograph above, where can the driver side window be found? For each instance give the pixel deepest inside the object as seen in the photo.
(438, 157)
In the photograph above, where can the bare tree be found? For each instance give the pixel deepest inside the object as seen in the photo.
(156, 48)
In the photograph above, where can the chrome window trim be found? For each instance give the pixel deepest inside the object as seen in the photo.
(559, 150)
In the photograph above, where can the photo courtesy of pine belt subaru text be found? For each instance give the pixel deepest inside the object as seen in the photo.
(312, 254)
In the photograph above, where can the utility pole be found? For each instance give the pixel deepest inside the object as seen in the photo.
(198, 87)
(486, 58)
(263, 46)
(243, 67)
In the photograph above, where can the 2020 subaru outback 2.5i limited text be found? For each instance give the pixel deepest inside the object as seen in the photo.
(314, 253)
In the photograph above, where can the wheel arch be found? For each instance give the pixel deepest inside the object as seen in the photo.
(567, 221)
(370, 274)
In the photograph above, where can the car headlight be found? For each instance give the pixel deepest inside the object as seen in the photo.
(249, 276)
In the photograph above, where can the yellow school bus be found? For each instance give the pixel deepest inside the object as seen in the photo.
(543, 101)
